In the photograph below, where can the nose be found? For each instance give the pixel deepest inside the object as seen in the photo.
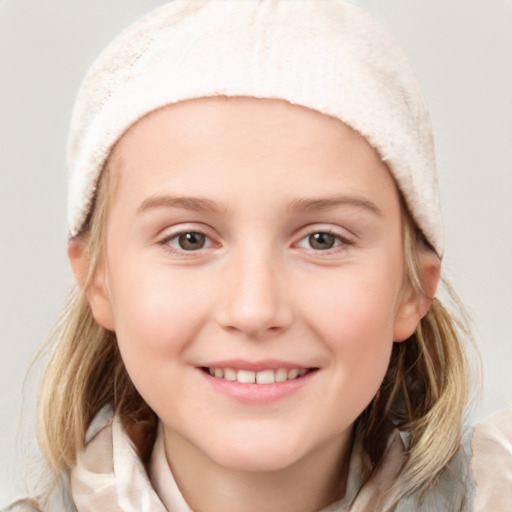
(254, 301)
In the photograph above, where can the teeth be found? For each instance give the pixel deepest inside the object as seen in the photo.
(293, 374)
(265, 377)
(229, 374)
(281, 375)
(262, 377)
(246, 376)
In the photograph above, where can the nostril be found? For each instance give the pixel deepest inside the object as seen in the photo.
(253, 331)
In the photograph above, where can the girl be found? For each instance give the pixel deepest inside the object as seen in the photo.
(256, 240)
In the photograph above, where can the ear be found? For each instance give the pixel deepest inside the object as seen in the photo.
(415, 303)
(96, 290)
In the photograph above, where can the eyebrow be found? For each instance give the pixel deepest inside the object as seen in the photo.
(327, 203)
(187, 203)
(304, 205)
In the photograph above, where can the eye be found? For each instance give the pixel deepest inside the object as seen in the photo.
(321, 241)
(188, 241)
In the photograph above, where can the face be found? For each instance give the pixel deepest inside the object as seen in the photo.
(259, 242)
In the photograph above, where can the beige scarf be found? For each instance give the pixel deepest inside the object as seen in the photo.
(109, 477)
(492, 462)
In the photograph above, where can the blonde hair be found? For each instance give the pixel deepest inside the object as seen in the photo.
(426, 387)
(424, 391)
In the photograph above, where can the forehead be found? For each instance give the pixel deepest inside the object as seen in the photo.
(220, 142)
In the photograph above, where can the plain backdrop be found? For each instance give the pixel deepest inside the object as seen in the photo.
(462, 53)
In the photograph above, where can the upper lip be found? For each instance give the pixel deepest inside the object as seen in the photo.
(255, 366)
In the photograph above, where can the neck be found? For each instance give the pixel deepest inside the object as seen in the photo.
(308, 485)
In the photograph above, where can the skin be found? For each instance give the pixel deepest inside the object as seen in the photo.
(258, 289)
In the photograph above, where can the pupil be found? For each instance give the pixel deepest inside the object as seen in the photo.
(321, 241)
(191, 241)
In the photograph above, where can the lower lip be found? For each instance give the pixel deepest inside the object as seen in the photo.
(257, 393)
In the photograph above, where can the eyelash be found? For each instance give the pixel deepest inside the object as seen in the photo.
(341, 242)
(166, 242)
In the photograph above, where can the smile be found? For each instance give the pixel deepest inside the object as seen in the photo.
(266, 376)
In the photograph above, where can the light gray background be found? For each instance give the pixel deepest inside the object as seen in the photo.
(462, 52)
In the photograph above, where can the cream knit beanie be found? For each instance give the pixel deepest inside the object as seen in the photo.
(327, 55)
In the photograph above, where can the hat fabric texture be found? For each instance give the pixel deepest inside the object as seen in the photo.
(329, 56)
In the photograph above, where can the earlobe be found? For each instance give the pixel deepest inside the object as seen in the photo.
(96, 289)
(416, 303)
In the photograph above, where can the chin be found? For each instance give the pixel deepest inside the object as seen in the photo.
(257, 456)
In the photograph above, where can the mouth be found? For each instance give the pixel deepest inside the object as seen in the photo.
(264, 376)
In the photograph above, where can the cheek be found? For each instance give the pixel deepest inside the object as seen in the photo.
(355, 308)
(156, 317)
(354, 316)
